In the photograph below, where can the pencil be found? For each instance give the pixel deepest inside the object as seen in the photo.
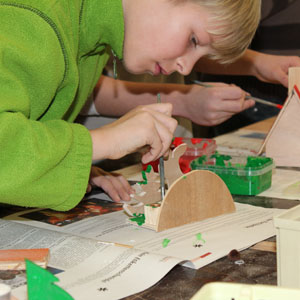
(258, 100)
(161, 167)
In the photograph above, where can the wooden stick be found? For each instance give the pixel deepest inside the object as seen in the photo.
(246, 97)
(161, 167)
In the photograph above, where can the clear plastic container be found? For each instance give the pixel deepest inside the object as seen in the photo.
(196, 147)
(248, 175)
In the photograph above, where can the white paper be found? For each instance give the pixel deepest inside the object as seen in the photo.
(241, 142)
(239, 230)
(285, 185)
(88, 269)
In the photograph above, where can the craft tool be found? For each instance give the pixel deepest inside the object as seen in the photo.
(161, 167)
(258, 100)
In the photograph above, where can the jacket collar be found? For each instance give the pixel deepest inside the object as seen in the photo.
(102, 23)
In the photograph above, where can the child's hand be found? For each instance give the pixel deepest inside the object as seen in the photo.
(150, 125)
(115, 185)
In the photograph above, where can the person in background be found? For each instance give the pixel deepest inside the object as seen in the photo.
(276, 36)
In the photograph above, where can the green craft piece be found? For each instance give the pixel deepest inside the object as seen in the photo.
(144, 175)
(40, 284)
(199, 237)
(165, 243)
(220, 159)
(139, 219)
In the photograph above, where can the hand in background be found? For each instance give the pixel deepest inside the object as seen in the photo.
(210, 106)
(274, 68)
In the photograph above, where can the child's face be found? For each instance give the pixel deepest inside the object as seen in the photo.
(161, 38)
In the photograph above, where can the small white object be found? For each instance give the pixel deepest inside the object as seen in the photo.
(127, 210)
(237, 291)
(5, 291)
(288, 247)
(239, 262)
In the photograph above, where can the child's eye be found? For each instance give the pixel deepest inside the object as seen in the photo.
(194, 41)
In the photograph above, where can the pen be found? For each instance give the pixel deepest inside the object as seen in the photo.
(258, 100)
(161, 166)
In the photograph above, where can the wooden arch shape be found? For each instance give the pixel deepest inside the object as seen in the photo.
(196, 196)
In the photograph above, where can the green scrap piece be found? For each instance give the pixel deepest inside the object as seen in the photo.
(144, 175)
(184, 177)
(139, 219)
(40, 284)
(199, 237)
(220, 159)
(165, 243)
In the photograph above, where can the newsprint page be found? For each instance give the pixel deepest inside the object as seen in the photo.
(97, 254)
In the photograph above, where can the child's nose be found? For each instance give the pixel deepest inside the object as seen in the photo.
(185, 64)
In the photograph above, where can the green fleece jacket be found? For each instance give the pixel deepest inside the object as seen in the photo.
(51, 55)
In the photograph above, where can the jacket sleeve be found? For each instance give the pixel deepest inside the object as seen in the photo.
(42, 164)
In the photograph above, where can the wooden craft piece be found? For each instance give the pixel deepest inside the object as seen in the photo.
(172, 168)
(135, 209)
(14, 259)
(150, 192)
(294, 78)
(283, 140)
(190, 197)
(196, 196)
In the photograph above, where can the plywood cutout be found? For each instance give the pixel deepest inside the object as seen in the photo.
(191, 197)
(196, 196)
(283, 140)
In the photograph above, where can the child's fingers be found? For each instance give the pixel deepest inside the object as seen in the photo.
(113, 187)
(161, 137)
(163, 122)
(231, 92)
(126, 184)
(164, 108)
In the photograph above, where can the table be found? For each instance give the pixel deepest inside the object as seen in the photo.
(259, 267)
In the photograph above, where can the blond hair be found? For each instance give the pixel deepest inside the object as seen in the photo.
(232, 25)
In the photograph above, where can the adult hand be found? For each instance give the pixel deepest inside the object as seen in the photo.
(213, 105)
(150, 125)
(274, 68)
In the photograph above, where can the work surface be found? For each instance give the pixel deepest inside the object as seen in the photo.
(259, 266)
(256, 265)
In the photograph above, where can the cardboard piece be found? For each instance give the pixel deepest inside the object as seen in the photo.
(283, 140)
(14, 259)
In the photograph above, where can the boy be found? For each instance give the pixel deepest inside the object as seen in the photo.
(52, 54)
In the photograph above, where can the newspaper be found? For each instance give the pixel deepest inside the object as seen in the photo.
(97, 254)
(87, 268)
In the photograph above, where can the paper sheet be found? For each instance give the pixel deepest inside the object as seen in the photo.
(285, 185)
(240, 142)
(87, 269)
(247, 226)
